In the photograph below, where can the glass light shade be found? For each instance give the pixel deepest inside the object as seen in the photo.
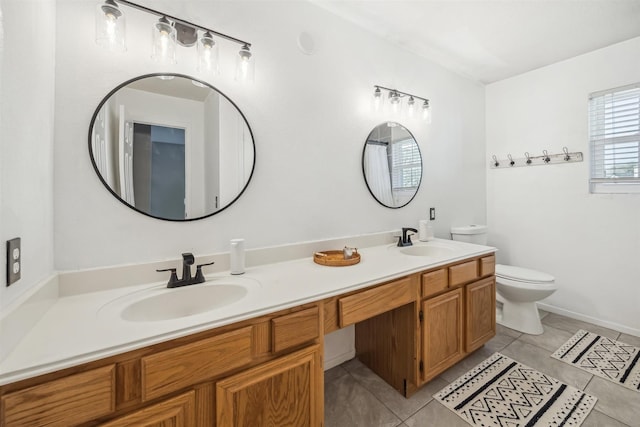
(245, 65)
(378, 99)
(394, 100)
(426, 112)
(163, 48)
(207, 54)
(110, 27)
(411, 106)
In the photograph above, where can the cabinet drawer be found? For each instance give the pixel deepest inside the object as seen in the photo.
(463, 273)
(68, 401)
(434, 282)
(487, 266)
(190, 364)
(295, 329)
(370, 303)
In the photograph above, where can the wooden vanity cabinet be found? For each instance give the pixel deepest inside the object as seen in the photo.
(264, 371)
(458, 314)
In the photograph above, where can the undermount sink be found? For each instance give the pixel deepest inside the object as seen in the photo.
(428, 249)
(170, 304)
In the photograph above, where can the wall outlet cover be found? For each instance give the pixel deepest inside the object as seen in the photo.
(432, 214)
(14, 260)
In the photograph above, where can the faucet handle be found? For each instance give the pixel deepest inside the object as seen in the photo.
(173, 278)
(199, 275)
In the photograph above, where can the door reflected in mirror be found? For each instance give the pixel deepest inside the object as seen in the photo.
(392, 165)
(171, 147)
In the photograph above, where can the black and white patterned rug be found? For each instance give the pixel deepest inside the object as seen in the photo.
(604, 357)
(504, 393)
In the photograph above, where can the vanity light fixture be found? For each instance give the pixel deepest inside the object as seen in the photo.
(395, 99)
(167, 32)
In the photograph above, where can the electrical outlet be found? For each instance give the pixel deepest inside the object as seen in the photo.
(14, 260)
(432, 214)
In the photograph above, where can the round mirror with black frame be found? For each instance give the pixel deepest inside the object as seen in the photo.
(392, 165)
(171, 147)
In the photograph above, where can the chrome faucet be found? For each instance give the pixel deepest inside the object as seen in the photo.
(187, 261)
(405, 239)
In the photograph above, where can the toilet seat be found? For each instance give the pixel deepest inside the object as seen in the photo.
(523, 275)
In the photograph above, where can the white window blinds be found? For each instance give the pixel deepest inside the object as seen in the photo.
(614, 131)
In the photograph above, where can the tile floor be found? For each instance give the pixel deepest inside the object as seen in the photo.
(355, 396)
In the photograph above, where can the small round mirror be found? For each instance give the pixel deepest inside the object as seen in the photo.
(171, 147)
(392, 165)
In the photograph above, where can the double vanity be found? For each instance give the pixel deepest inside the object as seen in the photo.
(248, 350)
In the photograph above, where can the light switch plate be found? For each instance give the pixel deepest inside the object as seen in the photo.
(432, 214)
(14, 260)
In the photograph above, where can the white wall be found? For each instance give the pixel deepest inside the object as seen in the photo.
(310, 116)
(26, 139)
(544, 217)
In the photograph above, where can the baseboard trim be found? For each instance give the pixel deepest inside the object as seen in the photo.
(585, 318)
(339, 359)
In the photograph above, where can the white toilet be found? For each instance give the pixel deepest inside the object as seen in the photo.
(517, 288)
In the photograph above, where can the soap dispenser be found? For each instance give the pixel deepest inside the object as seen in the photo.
(237, 256)
(425, 232)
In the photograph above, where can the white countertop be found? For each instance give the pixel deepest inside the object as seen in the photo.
(85, 327)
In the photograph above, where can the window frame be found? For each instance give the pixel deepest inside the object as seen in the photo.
(598, 140)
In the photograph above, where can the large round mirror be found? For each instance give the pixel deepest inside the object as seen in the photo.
(392, 165)
(171, 147)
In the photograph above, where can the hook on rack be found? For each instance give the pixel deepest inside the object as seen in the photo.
(511, 162)
(526, 154)
(495, 160)
(546, 158)
(567, 157)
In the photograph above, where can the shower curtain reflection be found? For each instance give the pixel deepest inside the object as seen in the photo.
(376, 167)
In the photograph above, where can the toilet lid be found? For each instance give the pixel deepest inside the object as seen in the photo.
(522, 274)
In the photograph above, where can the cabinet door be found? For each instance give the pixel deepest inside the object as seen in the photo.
(287, 391)
(176, 412)
(481, 313)
(442, 335)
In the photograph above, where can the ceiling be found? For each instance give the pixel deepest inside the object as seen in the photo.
(489, 41)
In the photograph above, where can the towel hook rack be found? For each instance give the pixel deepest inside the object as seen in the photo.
(544, 159)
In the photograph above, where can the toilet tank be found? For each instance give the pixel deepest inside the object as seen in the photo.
(473, 233)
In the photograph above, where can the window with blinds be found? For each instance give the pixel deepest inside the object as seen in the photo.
(614, 132)
(405, 164)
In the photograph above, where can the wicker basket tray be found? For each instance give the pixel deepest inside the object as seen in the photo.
(335, 258)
